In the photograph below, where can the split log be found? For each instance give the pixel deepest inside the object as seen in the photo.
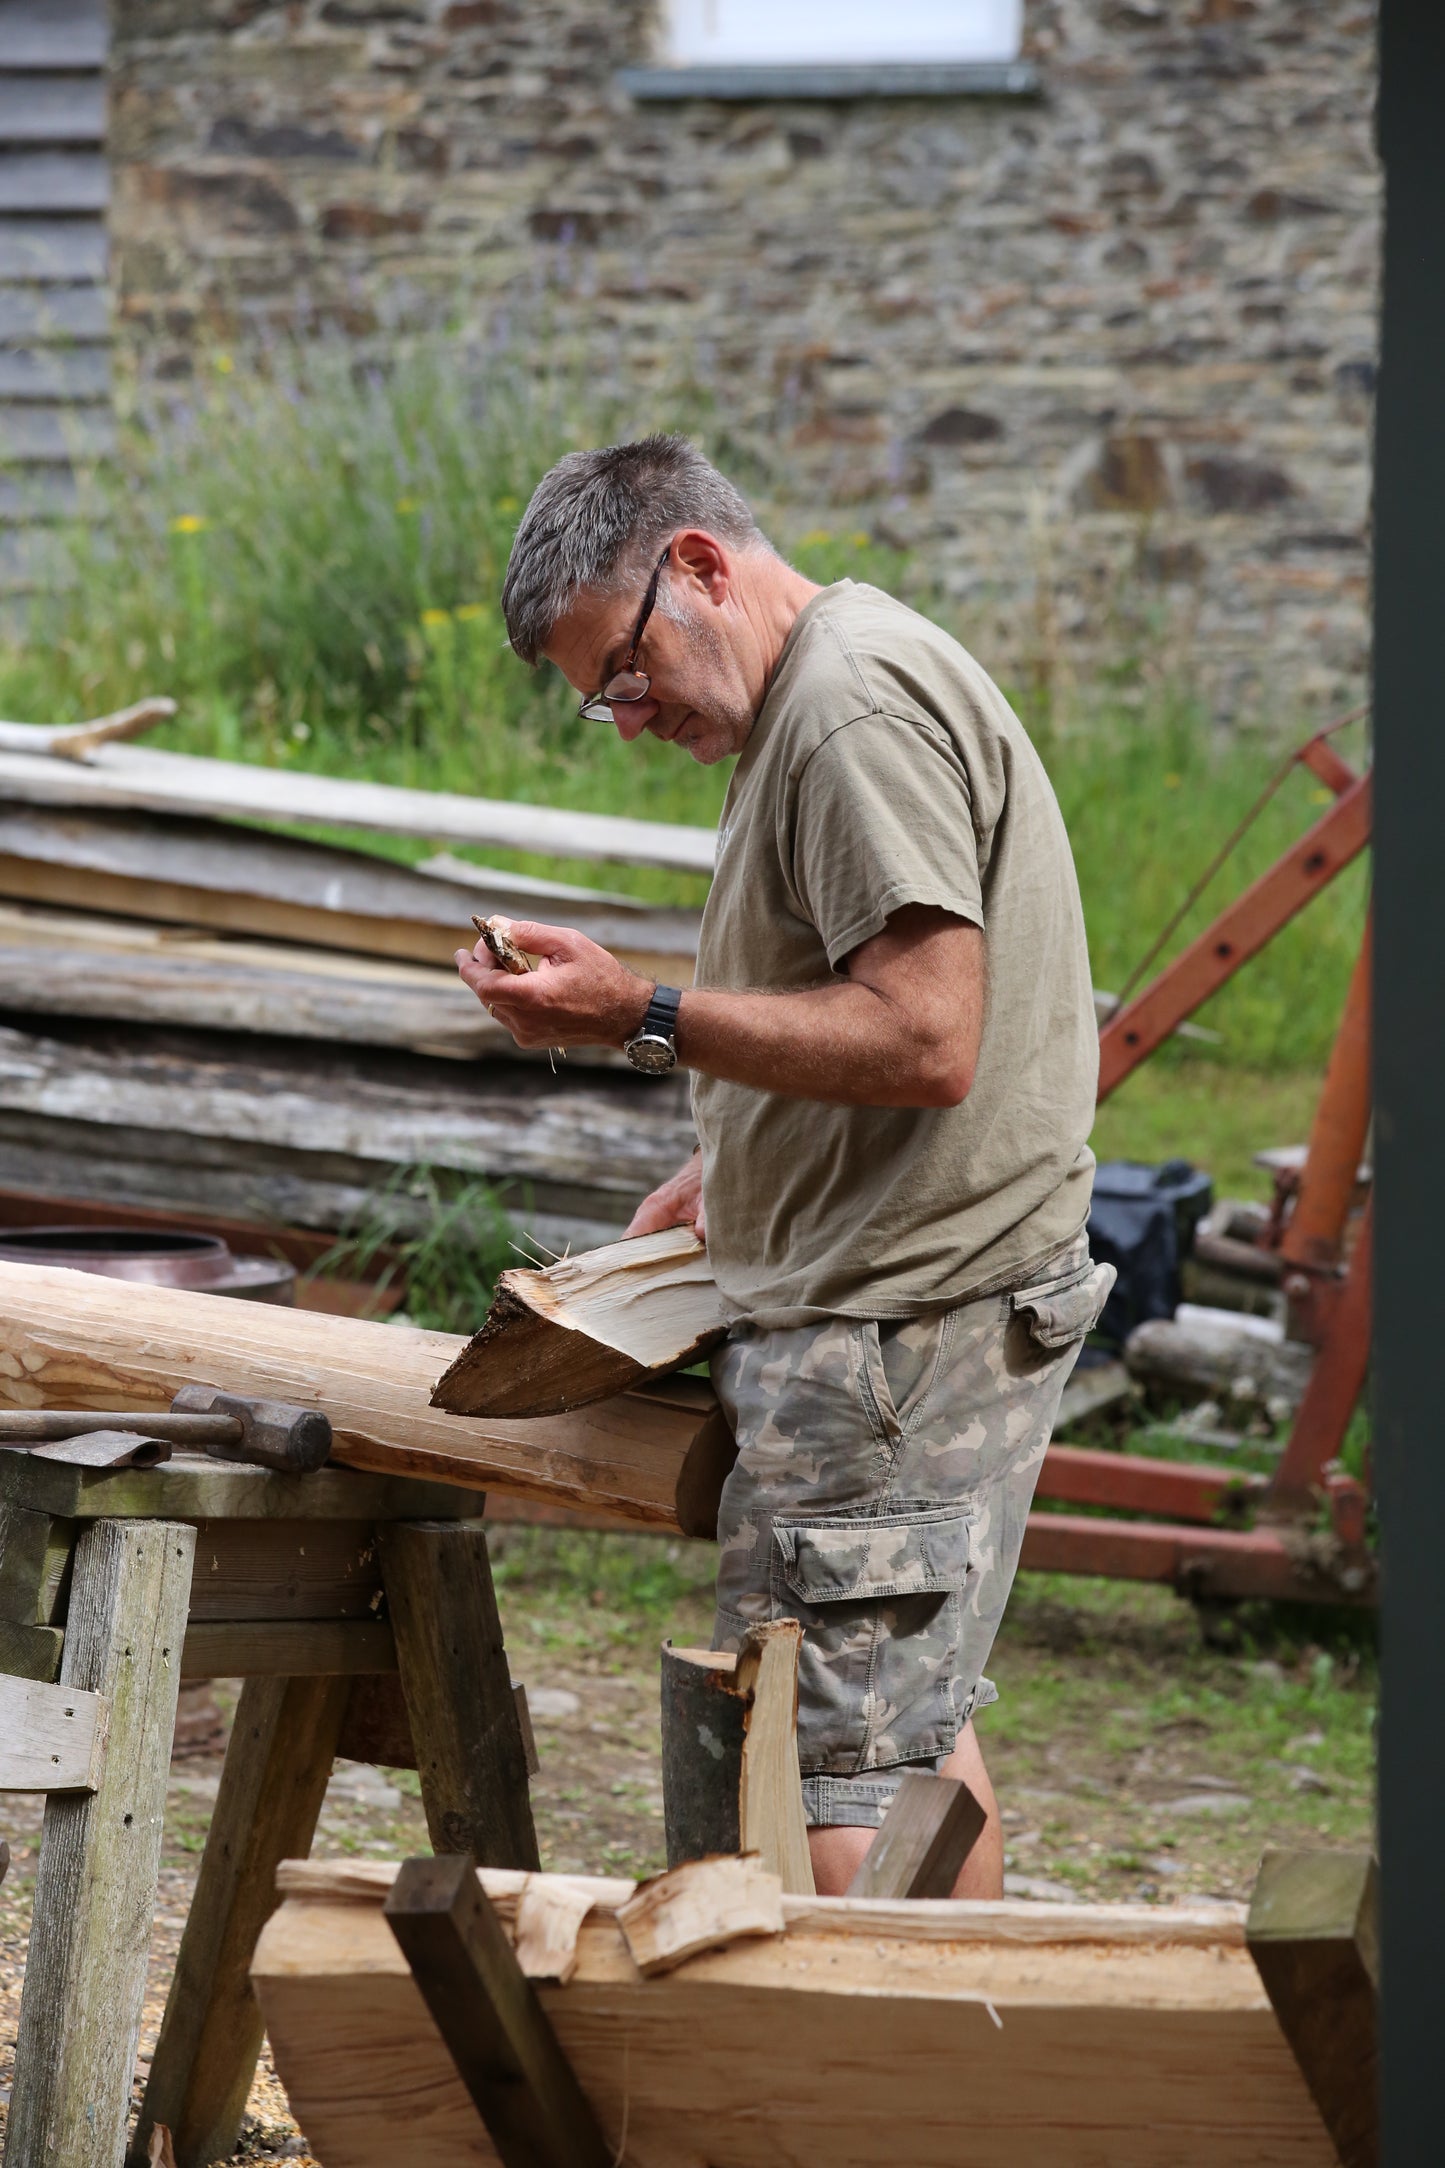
(236, 880)
(72, 1339)
(703, 1905)
(136, 777)
(839, 2040)
(588, 1327)
(1220, 1354)
(730, 1780)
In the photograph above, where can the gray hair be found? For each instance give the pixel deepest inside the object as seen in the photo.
(596, 518)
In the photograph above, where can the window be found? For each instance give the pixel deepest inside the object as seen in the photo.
(849, 33)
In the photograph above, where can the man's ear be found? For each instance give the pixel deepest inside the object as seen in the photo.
(707, 563)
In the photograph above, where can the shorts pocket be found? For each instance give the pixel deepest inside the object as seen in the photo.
(1059, 1312)
(879, 1598)
(856, 1558)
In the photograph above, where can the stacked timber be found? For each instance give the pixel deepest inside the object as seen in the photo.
(205, 1017)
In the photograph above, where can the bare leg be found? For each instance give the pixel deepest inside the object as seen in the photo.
(838, 1852)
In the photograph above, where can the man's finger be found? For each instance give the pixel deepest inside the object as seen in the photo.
(539, 939)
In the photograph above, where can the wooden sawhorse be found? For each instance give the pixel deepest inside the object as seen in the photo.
(360, 1612)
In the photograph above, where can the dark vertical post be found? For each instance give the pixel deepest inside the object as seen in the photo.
(1410, 1065)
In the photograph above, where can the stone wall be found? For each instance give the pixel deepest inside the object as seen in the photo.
(1103, 358)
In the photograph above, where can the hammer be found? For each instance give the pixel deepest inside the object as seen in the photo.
(228, 1426)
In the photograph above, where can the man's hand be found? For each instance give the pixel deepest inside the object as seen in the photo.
(678, 1203)
(578, 994)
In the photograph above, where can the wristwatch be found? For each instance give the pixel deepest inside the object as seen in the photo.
(653, 1046)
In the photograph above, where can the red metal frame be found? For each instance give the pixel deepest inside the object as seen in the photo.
(1309, 1539)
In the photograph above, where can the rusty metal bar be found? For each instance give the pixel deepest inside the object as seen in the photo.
(1189, 1490)
(1207, 1562)
(1135, 1031)
(1311, 1240)
(1335, 1382)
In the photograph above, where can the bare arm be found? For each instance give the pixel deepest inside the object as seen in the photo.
(901, 1029)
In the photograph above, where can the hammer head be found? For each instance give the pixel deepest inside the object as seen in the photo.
(272, 1433)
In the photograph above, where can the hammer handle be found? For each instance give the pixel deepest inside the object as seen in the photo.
(43, 1426)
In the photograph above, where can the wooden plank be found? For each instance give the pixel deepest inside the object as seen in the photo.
(39, 493)
(95, 1883)
(770, 1788)
(38, 108)
(278, 1762)
(139, 777)
(191, 1486)
(59, 315)
(311, 1136)
(53, 250)
(1314, 1934)
(276, 1569)
(68, 963)
(52, 434)
(931, 1826)
(824, 2043)
(52, 1738)
(35, 1549)
(214, 874)
(55, 372)
(286, 1648)
(74, 1339)
(68, 34)
(471, 1754)
(48, 182)
(486, 2010)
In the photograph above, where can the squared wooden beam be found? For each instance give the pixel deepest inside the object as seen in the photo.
(931, 1826)
(487, 2012)
(1314, 1935)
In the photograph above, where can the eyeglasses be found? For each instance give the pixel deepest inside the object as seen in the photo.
(628, 684)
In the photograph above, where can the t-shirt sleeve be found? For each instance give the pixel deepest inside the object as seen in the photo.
(884, 818)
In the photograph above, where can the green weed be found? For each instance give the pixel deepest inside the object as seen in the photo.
(444, 1246)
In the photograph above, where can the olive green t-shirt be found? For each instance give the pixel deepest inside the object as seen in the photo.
(886, 768)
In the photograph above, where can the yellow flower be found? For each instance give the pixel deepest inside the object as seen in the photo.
(406, 504)
(1322, 797)
(509, 504)
(814, 536)
(224, 364)
(859, 540)
(433, 619)
(188, 523)
(467, 613)
(1172, 782)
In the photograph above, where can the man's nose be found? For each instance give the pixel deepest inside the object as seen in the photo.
(634, 718)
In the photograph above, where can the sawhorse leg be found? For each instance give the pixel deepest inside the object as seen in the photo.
(95, 1887)
(272, 1785)
(470, 1752)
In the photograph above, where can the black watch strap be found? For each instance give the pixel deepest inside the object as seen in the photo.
(660, 1016)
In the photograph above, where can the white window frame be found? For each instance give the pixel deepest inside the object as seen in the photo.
(839, 33)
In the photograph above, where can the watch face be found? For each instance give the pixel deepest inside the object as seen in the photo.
(650, 1053)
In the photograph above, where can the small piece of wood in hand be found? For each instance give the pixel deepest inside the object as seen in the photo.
(496, 932)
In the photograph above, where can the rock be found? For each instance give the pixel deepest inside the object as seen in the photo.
(1038, 1887)
(1215, 1803)
(551, 1704)
(960, 425)
(1238, 485)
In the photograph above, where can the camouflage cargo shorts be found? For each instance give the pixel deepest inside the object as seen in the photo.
(883, 1480)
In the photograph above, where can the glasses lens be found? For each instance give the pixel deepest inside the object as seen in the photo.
(627, 685)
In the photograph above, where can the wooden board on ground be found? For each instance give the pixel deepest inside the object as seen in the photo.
(588, 1327)
(137, 777)
(71, 963)
(839, 2043)
(306, 1137)
(238, 880)
(75, 1340)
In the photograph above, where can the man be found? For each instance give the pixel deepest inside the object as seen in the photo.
(894, 1054)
